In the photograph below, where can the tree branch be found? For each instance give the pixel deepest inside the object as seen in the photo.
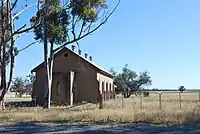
(19, 35)
(14, 4)
(93, 30)
(27, 46)
(88, 27)
(21, 28)
(23, 10)
(4, 1)
(26, 30)
(82, 26)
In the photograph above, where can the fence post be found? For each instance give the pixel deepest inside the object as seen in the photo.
(160, 100)
(122, 100)
(180, 99)
(140, 99)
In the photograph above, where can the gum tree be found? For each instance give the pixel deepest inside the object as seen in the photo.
(8, 36)
(76, 18)
(52, 30)
(128, 81)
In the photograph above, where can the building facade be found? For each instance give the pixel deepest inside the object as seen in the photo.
(76, 78)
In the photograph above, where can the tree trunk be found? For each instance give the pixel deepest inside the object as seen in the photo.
(5, 87)
(47, 84)
(3, 74)
(50, 69)
(46, 67)
(47, 63)
(12, 53)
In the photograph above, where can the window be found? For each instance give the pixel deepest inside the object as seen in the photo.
(110, 87)
(58, 89)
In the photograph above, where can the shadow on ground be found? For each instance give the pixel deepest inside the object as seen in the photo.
(20, 104)
(33, 104)
(34, 128)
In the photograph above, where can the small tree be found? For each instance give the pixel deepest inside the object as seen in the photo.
(22, 85)
(130, 82)
(18, 86)
(181, 88)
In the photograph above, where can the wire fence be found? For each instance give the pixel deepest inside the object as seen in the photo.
(160, 100)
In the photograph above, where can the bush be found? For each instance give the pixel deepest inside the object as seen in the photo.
(146, 94)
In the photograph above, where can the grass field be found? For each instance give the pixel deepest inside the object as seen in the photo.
(113, 111)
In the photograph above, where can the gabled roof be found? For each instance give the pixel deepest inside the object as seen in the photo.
(103, 71)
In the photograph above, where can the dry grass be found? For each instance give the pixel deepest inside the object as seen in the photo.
(17, 99)
(113, 112)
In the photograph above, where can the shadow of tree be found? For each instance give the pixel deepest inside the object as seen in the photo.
(140, 128)
(19, 104)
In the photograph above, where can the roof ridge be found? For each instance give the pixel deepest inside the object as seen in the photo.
(91, 62)
(87, 60)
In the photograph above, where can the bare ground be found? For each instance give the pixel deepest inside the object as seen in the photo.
(140, 128)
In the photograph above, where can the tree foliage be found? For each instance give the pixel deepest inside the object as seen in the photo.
(84, 18)
(22, 85)
(87, 10)
(71, 21)
(129, 81)
(181, 88)
(56, 21)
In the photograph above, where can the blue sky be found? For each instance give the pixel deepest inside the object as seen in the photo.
(160, 36)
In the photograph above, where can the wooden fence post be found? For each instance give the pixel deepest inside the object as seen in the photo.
(160, 100)
(140, 99)
(122, 100)
(180, 99)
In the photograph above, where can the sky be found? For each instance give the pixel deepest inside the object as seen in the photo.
(160, 36)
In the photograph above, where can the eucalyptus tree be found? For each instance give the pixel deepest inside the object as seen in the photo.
(66, 22)
(8, 36)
